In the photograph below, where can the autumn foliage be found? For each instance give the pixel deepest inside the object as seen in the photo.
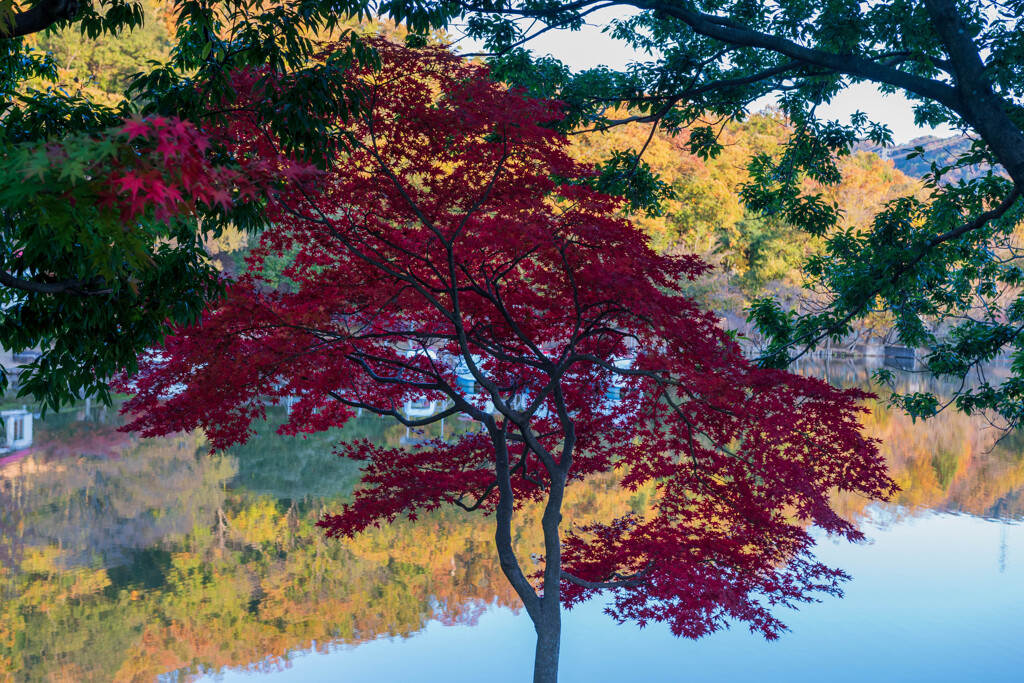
(156, 166)
(451, 253)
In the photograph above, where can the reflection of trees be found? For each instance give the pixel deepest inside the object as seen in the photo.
(948, 462)
(106, 508)
(52, 627)
(280, 586)
(301, 467)
(74, 439)
(245, 593)
(258, 582)
(856, 372)
(88, 497)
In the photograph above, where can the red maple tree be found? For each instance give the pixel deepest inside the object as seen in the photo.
(451, 244)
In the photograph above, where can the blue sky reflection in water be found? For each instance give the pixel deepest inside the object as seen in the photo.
(938, 597)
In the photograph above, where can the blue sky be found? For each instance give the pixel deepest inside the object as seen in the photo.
(589, 48)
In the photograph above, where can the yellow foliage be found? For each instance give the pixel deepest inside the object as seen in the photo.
(41, 560)
(232, 240)
(869, 182)
(260, 523)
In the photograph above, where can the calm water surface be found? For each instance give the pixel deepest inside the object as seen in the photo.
(128, 560)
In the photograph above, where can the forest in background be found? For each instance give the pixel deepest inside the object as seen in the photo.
(754, 255)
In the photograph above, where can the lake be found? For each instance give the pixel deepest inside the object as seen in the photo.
(140, 560)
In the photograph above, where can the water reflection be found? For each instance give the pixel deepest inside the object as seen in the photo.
(126, 560)
(949, 463)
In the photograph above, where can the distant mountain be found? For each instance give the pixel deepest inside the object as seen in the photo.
(941, 150)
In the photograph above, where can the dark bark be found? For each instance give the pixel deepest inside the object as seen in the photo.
(42, 16)
(549, 640)
(549, 628)
(734, 33)
(74, 286)
(545, 610)
(503, 527)
(978, 104)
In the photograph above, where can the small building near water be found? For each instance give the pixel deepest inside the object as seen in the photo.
(17, 432)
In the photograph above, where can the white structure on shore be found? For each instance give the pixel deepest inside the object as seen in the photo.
(17, 430)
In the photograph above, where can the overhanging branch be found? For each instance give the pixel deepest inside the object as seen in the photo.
(75, 286)
(734, 33)
(41, 17)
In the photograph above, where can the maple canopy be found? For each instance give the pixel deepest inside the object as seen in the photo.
(452, 238)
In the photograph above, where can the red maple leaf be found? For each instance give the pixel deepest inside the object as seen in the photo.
(129, 182)
(220, 197)
(136, 127)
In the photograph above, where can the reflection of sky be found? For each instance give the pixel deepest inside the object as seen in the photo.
(935, 598)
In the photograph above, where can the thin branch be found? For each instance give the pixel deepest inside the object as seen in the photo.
(390, 412)
(734, 33)
(480, 501)
(619, 580)
(527, 36)
(977, 223)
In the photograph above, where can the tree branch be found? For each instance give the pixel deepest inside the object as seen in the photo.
(690, 94)
(977, 102)
(43, 15)
(503, 526)
(75, 287)
(480, 501)
(390, 412)
(976, 224)
(734, 33)
(620, 581)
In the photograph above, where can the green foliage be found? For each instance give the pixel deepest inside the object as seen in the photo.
(88, 282)
(627, 175)
(762, 249)
(85, 283)
(704, 142)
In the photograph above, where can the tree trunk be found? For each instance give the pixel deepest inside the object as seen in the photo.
(549, 625)
(549, 640)
(545, 610)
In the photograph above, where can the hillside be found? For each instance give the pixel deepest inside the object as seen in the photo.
(940, 150)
